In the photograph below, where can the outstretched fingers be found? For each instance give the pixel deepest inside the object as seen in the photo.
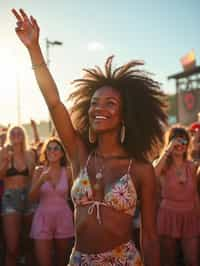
(21, 16)
(27, 28)
(34, 23)
(16, 14)
(24, 15)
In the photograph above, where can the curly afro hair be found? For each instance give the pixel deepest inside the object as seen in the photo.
(144, 105)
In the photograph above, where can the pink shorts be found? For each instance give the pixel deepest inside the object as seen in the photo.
(177, 223)
(52, 223)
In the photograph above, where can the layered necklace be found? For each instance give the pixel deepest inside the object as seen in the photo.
(99, 173)
(180, 173)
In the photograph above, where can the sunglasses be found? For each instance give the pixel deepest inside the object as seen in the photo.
(54, 148)
(183, 141)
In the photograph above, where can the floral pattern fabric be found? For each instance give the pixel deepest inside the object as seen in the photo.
(121, 195)
(123, 255)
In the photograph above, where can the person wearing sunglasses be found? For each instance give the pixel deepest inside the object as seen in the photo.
(179, 212)
(52, 222)
(194, 130)
(17, 163)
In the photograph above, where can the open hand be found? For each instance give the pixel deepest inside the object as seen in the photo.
(171, 145)
(45, 175)
(27, 28)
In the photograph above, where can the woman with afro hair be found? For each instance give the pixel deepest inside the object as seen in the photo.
(116, 122)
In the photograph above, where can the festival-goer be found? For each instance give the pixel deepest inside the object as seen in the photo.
(53, 219)
(118, 118)
(179, 212)
(16, 168)
(195, 142)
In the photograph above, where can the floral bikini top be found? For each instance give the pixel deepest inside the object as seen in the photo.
(121, 196)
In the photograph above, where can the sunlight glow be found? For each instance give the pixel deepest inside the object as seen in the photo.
(8, 70)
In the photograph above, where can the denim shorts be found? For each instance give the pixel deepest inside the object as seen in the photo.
(16, 200)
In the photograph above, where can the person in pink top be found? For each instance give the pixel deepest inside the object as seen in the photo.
(179, 213)
(53, 220)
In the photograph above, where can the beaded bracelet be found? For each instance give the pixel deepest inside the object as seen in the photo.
(166, 152)
(39, 65)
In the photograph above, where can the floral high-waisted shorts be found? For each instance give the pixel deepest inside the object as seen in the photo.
(123, 255)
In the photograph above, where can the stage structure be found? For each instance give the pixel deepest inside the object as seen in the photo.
(187, 95)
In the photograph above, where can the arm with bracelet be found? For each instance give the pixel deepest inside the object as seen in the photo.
(28, 32)
(36, 135)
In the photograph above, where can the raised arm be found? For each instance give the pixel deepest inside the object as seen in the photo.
(28, 32)
(160, 163)
(36, 135)
(39, 177)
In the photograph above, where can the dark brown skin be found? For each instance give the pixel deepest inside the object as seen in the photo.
(90, 236)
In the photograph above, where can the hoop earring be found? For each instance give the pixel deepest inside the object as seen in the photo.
(91, 136)
(122, 134)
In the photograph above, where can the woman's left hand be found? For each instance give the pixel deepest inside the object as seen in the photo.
(27, 28)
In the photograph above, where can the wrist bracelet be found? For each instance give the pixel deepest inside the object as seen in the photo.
(39, 65)
(167, 152)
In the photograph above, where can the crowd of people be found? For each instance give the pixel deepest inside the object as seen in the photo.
(106, 190)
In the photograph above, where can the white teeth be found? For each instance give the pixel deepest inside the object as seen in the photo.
(100, 117)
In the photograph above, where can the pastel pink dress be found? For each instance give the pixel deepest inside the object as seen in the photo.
(178, 216)
(53, 218)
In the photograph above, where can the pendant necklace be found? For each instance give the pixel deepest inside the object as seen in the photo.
(179, 172)
(99, 173)
(181, 175)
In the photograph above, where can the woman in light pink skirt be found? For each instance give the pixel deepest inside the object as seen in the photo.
(52, 228)
(179, 213)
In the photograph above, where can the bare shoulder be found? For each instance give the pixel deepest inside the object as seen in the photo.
(192, 164)
(80, 158)
(193, 167)
(82, 150)
(143, 176)
(144, 171)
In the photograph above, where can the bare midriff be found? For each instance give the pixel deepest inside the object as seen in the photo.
(15, 182)
(92, 237)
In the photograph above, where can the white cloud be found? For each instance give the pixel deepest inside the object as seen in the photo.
(95, 46)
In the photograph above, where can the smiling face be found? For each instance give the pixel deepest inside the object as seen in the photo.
(54, 152)
(181, 147)
(105, 112)
(16, 136)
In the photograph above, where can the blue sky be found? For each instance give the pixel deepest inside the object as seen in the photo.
(158, 32)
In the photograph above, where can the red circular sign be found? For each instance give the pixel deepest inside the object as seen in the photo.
(189, 100)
